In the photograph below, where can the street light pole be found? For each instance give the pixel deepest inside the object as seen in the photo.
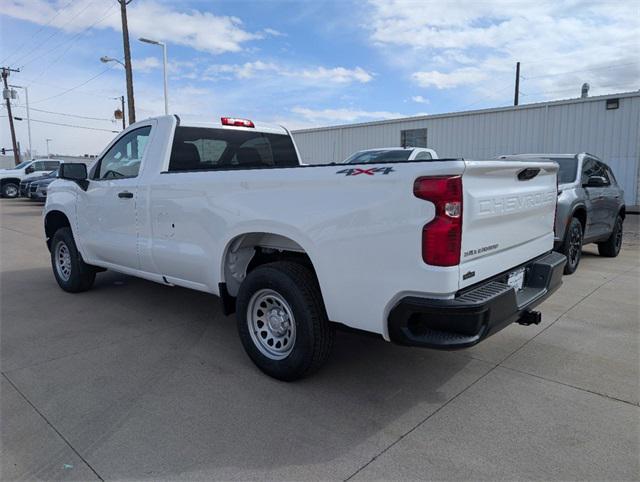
(26, 98)
(48, 140)
(164, 68)
(166, 88)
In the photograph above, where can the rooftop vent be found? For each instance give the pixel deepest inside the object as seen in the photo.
(585, 90)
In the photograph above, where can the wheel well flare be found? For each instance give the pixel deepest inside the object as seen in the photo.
(53, 221)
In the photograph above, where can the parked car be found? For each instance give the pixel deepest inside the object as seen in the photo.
(38, 189)
(420, 253)
(391, 154)
(10, 178)
(591, 206)
(26, 183)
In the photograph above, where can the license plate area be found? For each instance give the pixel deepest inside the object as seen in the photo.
(515, 279)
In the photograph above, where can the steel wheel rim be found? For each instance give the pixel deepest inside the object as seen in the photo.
(11, 191)
(63, 261)
(271, 324)
(618, 234)
(575, 246)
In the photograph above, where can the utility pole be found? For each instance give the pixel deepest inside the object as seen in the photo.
(7, 96)
(48, 153)
(517, 92)
(124, 126)
(26, 96)
(127, 59)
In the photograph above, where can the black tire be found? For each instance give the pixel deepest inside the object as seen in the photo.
(73, 275)
(10, 190)
(572, 246)
(611, 247)
(312, 337)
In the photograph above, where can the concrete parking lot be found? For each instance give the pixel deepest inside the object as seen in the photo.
(134, 380)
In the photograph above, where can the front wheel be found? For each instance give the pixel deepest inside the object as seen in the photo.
(10, 190)
(611, 247)
(572, 246)
(71, 272)
(282, 321)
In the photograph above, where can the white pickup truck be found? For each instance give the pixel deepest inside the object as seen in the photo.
(438, 254)
(10, 179)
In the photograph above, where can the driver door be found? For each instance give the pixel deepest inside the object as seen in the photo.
(107, 209)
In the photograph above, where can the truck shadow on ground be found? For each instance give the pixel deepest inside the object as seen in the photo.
(150, 381)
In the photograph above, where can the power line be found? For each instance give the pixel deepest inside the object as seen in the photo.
(69, 41)
(573, 54)
(569, 89)
(52, 35)
(608, 67)
(95, 94)
(73, 126)
(69, 115)
(74, 87)
(33, 36)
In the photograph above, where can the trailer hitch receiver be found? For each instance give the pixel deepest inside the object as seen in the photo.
(530, 317)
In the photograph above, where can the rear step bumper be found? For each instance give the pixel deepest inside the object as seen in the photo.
(477, 313)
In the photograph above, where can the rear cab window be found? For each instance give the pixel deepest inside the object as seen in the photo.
(205, 149)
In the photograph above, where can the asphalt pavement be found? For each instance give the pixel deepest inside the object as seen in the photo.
(137, 381)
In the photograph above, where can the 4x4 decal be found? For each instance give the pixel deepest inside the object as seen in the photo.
(369, 172)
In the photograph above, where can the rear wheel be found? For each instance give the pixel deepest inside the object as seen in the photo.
(611, 247)
(71, 272)
(572, 246)
(10, 190)
(282, 321)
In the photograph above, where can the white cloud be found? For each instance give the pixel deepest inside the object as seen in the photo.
(446, 45)
(146, 64)
(202, 31)
(455, 78)
(274, 33)
(343, 115)
(339, 75)
(418, 99)
(316, 75)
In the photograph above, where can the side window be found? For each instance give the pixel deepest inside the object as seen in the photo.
(124, 158)
(51, 165)
(588, 170)
(423, 156)
(604, 172)
(612, 178)
(38, 166)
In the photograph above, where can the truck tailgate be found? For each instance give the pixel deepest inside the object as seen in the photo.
(508, 216)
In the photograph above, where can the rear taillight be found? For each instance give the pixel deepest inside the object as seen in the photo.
(234, 121)
(442, 236)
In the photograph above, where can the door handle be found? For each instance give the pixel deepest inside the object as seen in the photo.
(125, 194)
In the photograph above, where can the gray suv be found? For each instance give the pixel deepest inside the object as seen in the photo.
(590, 206)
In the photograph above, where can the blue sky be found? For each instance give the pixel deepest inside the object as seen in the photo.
(307, 63)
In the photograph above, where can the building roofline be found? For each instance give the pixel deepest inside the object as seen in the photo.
(535, 105)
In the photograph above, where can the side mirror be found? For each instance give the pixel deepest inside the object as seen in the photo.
(596, 181)
(29, 169)
(74, 171)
